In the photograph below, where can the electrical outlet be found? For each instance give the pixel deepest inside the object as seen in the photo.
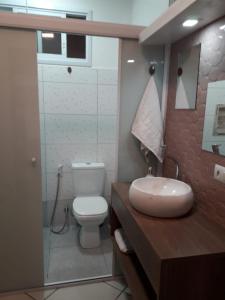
(219, 173)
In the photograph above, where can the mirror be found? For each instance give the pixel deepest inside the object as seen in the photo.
(187, 80)
(214, 125)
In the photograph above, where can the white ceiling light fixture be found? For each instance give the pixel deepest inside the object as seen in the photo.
(190, 23)
(48, 35)
(130, 61)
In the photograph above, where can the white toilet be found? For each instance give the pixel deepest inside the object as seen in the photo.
(89, 208)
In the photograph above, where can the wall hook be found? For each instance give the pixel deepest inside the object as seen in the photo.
(152, 70)
(69, 69)
(179, 71)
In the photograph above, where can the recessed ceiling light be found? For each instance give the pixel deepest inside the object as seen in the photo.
(222, 27)
(190, 23)
(130, 61)
(220, 37)
(47, 35)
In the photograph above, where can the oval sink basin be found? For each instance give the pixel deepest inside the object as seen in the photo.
(161, 197)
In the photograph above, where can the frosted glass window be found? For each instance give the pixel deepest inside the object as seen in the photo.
(76, 44)
(51, 43)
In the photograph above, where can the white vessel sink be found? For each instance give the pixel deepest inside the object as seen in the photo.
(161, 197)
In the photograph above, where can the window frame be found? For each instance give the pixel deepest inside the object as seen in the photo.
(58, 59)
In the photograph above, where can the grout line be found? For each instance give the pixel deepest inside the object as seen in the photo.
(117, 288)
(72, 114)
(104, 258)
(75, 144)
(26, 293)
(78, 83)
(49, 247)
(121, 293)
(42, 290)
(53, 292)
(97, 148)
(77, 114)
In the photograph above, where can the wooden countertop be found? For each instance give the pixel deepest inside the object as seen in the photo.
(192, 235)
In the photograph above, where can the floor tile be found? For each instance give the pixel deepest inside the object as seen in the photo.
(105, 230)
(69, 261)
(15, 297)
(72, 263)
(41, 294)
(125, 296)
(46, 248)
(107, 249)
(69, 238)
(128, 291)
(119, 283)
(94, 291)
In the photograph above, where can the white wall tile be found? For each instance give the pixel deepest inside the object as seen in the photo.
(60, 215)
(66, 154)
(54, 73)
(107, 76)
(66, 191)
(40, 72)
(109, 179)
(67, 129)
(43, 157)
(43, 172)
(42, 129)
(70, 98)
(70, 126)
(40, 97)
(107, 129)
(107, 99)
(107, 155)
(43, 185)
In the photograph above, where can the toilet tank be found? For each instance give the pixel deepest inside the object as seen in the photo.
(88, 178)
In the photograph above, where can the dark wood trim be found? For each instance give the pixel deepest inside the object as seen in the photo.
(138, 286)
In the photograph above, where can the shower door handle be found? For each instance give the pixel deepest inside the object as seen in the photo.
(33, 161)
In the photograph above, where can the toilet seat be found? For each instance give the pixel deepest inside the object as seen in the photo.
(90, 206)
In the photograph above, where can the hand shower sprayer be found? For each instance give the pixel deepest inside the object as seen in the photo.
(66, 209)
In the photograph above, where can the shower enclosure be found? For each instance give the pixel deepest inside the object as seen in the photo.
(78, 123)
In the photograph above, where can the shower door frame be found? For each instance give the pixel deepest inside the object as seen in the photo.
(72, 26)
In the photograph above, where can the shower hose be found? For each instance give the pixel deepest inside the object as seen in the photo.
(66, 210)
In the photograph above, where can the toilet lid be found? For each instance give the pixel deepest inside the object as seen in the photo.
(85, 206)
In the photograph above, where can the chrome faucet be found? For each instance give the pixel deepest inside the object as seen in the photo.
(177, 165)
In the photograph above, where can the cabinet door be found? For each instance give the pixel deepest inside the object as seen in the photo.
(21, 254)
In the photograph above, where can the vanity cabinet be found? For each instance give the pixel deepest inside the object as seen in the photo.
(173, 259)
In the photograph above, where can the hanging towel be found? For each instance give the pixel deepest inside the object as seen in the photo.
(148, 125)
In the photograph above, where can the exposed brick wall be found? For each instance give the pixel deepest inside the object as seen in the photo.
(184, 128)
